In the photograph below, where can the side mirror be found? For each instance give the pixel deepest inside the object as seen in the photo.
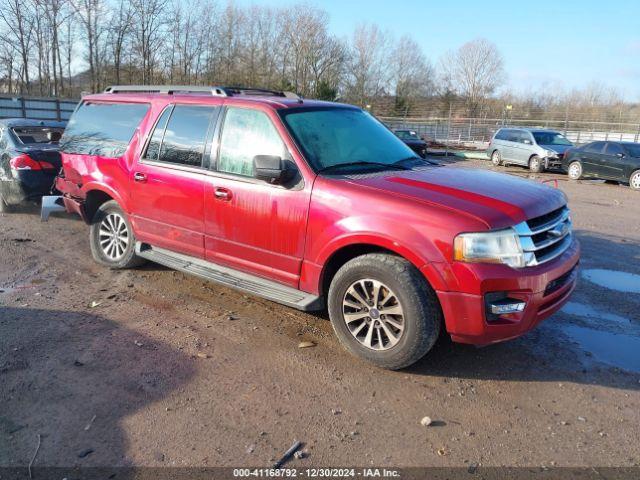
(620, 155)
(269, 168)
(527, 141)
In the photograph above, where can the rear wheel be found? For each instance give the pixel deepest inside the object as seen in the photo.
(634, 180)
(496, 158)
(111, 238)
(535, 164)
(383, 310)
(575, 170)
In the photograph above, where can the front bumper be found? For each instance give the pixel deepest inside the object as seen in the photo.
(553, 162)
(545, 289)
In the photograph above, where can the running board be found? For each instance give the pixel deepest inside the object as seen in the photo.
(231, 278)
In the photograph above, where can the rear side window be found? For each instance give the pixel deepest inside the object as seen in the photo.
(180, 135)
(103, 129)
(613, 149)
(186, 134)
(245, 134)
(595, 147)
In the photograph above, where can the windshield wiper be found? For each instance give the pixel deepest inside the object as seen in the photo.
(415, 159)
(362, 162)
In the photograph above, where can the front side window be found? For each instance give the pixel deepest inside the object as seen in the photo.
(335, 136)
(185, 135)
(595, 147)
(245, 134)
(524, 137)
(103, 129)
(551, 138)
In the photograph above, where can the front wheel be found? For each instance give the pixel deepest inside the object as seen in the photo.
(535, 164)
(111, 238)
(634, 180)
(383, 310)
(496, 158)
(575, 170)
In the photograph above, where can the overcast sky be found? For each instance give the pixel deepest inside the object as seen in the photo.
(559, 43)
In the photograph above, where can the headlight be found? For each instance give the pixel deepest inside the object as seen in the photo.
(501, 246)
(551, 153)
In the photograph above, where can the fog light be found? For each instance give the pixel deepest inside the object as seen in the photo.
(508, 305)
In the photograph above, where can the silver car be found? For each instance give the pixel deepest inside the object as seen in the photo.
(534, 148)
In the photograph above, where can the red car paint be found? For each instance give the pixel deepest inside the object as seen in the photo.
(290, 235)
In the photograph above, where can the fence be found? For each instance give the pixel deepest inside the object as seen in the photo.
(476, 132)
(36, 108)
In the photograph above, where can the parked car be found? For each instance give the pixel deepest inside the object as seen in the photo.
(414, 142)
(29, 159)
(616, 161)
(534, 148)
(312, 203)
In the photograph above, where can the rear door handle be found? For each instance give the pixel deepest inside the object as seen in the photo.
(222, 193)
(139, 177)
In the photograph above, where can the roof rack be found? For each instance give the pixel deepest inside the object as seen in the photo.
(215, 91)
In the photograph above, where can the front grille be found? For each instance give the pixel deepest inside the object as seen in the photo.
(545, 237)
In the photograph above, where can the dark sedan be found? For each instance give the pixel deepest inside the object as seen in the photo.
(29, 159)
(413, 141)
(616, 161)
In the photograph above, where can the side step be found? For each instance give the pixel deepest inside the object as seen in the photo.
(231, 278)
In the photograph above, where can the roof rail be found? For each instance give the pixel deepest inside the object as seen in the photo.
(166, 89)
(215, 91)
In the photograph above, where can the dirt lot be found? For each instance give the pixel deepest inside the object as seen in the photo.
(152, 367)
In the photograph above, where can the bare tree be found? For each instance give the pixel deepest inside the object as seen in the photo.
(474, 71)
(412, 75)
(19, 22)
(367, 66)
(149, 19)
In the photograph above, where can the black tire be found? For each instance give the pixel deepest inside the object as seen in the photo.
(574, 170)
(634, 180)
(496, 158)
(107, 212)
(535, 164)
(422, 316)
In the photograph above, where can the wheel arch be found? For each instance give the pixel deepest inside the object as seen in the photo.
(93, 200)
(345, 253)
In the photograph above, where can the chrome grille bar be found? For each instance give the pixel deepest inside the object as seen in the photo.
(545, 241)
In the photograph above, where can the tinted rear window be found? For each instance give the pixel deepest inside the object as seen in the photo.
(103, 129)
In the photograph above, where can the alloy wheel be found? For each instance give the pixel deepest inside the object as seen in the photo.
(114, 236)
(635, 181)
(575, 171)
(373, 314)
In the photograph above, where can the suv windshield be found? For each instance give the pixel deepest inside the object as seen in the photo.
(330, 137)
(407, 135)
(550, 138)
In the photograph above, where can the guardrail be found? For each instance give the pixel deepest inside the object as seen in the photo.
(36, 108)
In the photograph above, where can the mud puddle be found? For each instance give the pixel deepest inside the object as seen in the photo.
(616, 349)
(586, 311)
(613, 279)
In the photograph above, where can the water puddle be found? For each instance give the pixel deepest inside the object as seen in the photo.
(616, 349)
(613, 279)
(585, 311)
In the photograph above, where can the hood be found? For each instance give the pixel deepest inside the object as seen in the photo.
(557, 148)
(498, 200)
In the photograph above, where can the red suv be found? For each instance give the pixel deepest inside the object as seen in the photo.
(315, 204)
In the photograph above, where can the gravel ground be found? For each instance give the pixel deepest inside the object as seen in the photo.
(151, 367)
